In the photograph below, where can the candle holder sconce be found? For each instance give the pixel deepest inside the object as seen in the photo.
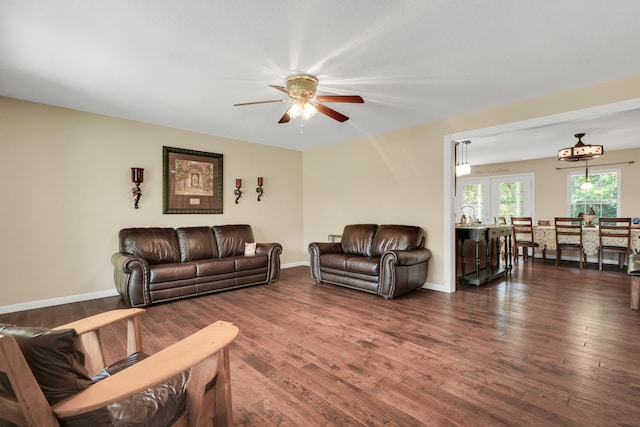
(238, 192)
(137, 177)
(259, 190)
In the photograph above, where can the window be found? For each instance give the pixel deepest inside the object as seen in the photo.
(604, 197)
(495, 196)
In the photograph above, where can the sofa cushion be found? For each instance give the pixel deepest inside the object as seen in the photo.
(231, 239)
(196, 243)
(364, 265)
(55, 358)
(356, 239)
(154, 244)
(396, 238)
(211, 267)
(171, 272)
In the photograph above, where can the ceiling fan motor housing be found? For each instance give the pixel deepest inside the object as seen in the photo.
(302, 85)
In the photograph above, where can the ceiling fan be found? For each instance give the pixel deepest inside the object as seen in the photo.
(301, 89)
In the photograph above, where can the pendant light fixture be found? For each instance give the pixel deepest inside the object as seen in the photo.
(586, 185)
(580, 151)
(462, 165)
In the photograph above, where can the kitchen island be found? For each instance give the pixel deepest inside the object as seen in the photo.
(489, 254)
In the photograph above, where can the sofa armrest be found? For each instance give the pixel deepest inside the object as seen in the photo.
(272, 251)
(408, 257)
(131, 276)
(320, 248)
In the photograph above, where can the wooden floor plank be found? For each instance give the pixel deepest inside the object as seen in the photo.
(550, 346)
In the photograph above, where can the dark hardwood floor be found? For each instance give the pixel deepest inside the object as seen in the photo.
(551, 346)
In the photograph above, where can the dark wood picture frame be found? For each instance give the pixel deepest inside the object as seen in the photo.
(191, 181)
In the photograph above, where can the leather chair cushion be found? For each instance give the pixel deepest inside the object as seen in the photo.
(157, 406)
(231, 239)
(396, 238)
(55, 358)
(357, 239)
(196, 243)
(156, 245)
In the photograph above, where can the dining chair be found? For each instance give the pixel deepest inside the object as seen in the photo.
(523, 238)
(614, 237)
(569, 237)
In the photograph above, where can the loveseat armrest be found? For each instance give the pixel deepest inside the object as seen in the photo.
(131, 278)
(272, 251)
(406, 257)
(320, 248)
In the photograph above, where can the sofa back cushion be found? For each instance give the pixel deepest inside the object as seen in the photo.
(196, 243)
(55, 358)
(231, 239)
(156, 245)
(397, 237)
(357, 238)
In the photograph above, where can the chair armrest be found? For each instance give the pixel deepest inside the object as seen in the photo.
(89, 327)
(101, 320)
(151, 371)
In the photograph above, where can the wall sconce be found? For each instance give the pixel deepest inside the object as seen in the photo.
(137, 176)
(259, 190)
(237, 191)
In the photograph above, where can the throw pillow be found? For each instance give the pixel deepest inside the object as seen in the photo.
(250, 249)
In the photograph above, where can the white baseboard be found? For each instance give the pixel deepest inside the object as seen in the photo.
(56, 301)
(84, 297)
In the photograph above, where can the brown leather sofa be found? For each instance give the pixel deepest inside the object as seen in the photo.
(163, 264)
(387, 260)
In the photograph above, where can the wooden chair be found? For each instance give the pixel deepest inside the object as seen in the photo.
(205, 354)
(569, 237)
(523, 238)
(615, 237)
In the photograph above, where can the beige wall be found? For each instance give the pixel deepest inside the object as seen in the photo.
(65, 186)
(398, 177)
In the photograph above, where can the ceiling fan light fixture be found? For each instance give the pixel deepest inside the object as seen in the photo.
(580, 151)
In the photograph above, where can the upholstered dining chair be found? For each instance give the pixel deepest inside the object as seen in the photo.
(569, 237)
(614, 237)
(523, 238)
(53, 377)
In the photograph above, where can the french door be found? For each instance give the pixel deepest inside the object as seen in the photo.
(488, 198)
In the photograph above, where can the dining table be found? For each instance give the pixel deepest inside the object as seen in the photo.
(546, 236)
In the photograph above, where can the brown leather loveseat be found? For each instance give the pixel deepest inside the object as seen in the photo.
(387, 260)
(163, 264)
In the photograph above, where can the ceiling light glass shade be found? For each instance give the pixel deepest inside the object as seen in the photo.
(463, 169)
(586, 185)
(580, 151)
(302, 109)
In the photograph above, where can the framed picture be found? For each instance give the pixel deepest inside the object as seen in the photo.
(191, 181)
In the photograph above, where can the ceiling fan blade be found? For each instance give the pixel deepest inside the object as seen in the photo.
(261, 102)
(281, 89)
(331, 113)
(285, 117)
(340, 98)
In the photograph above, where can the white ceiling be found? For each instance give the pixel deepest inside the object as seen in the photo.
(184, 63)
